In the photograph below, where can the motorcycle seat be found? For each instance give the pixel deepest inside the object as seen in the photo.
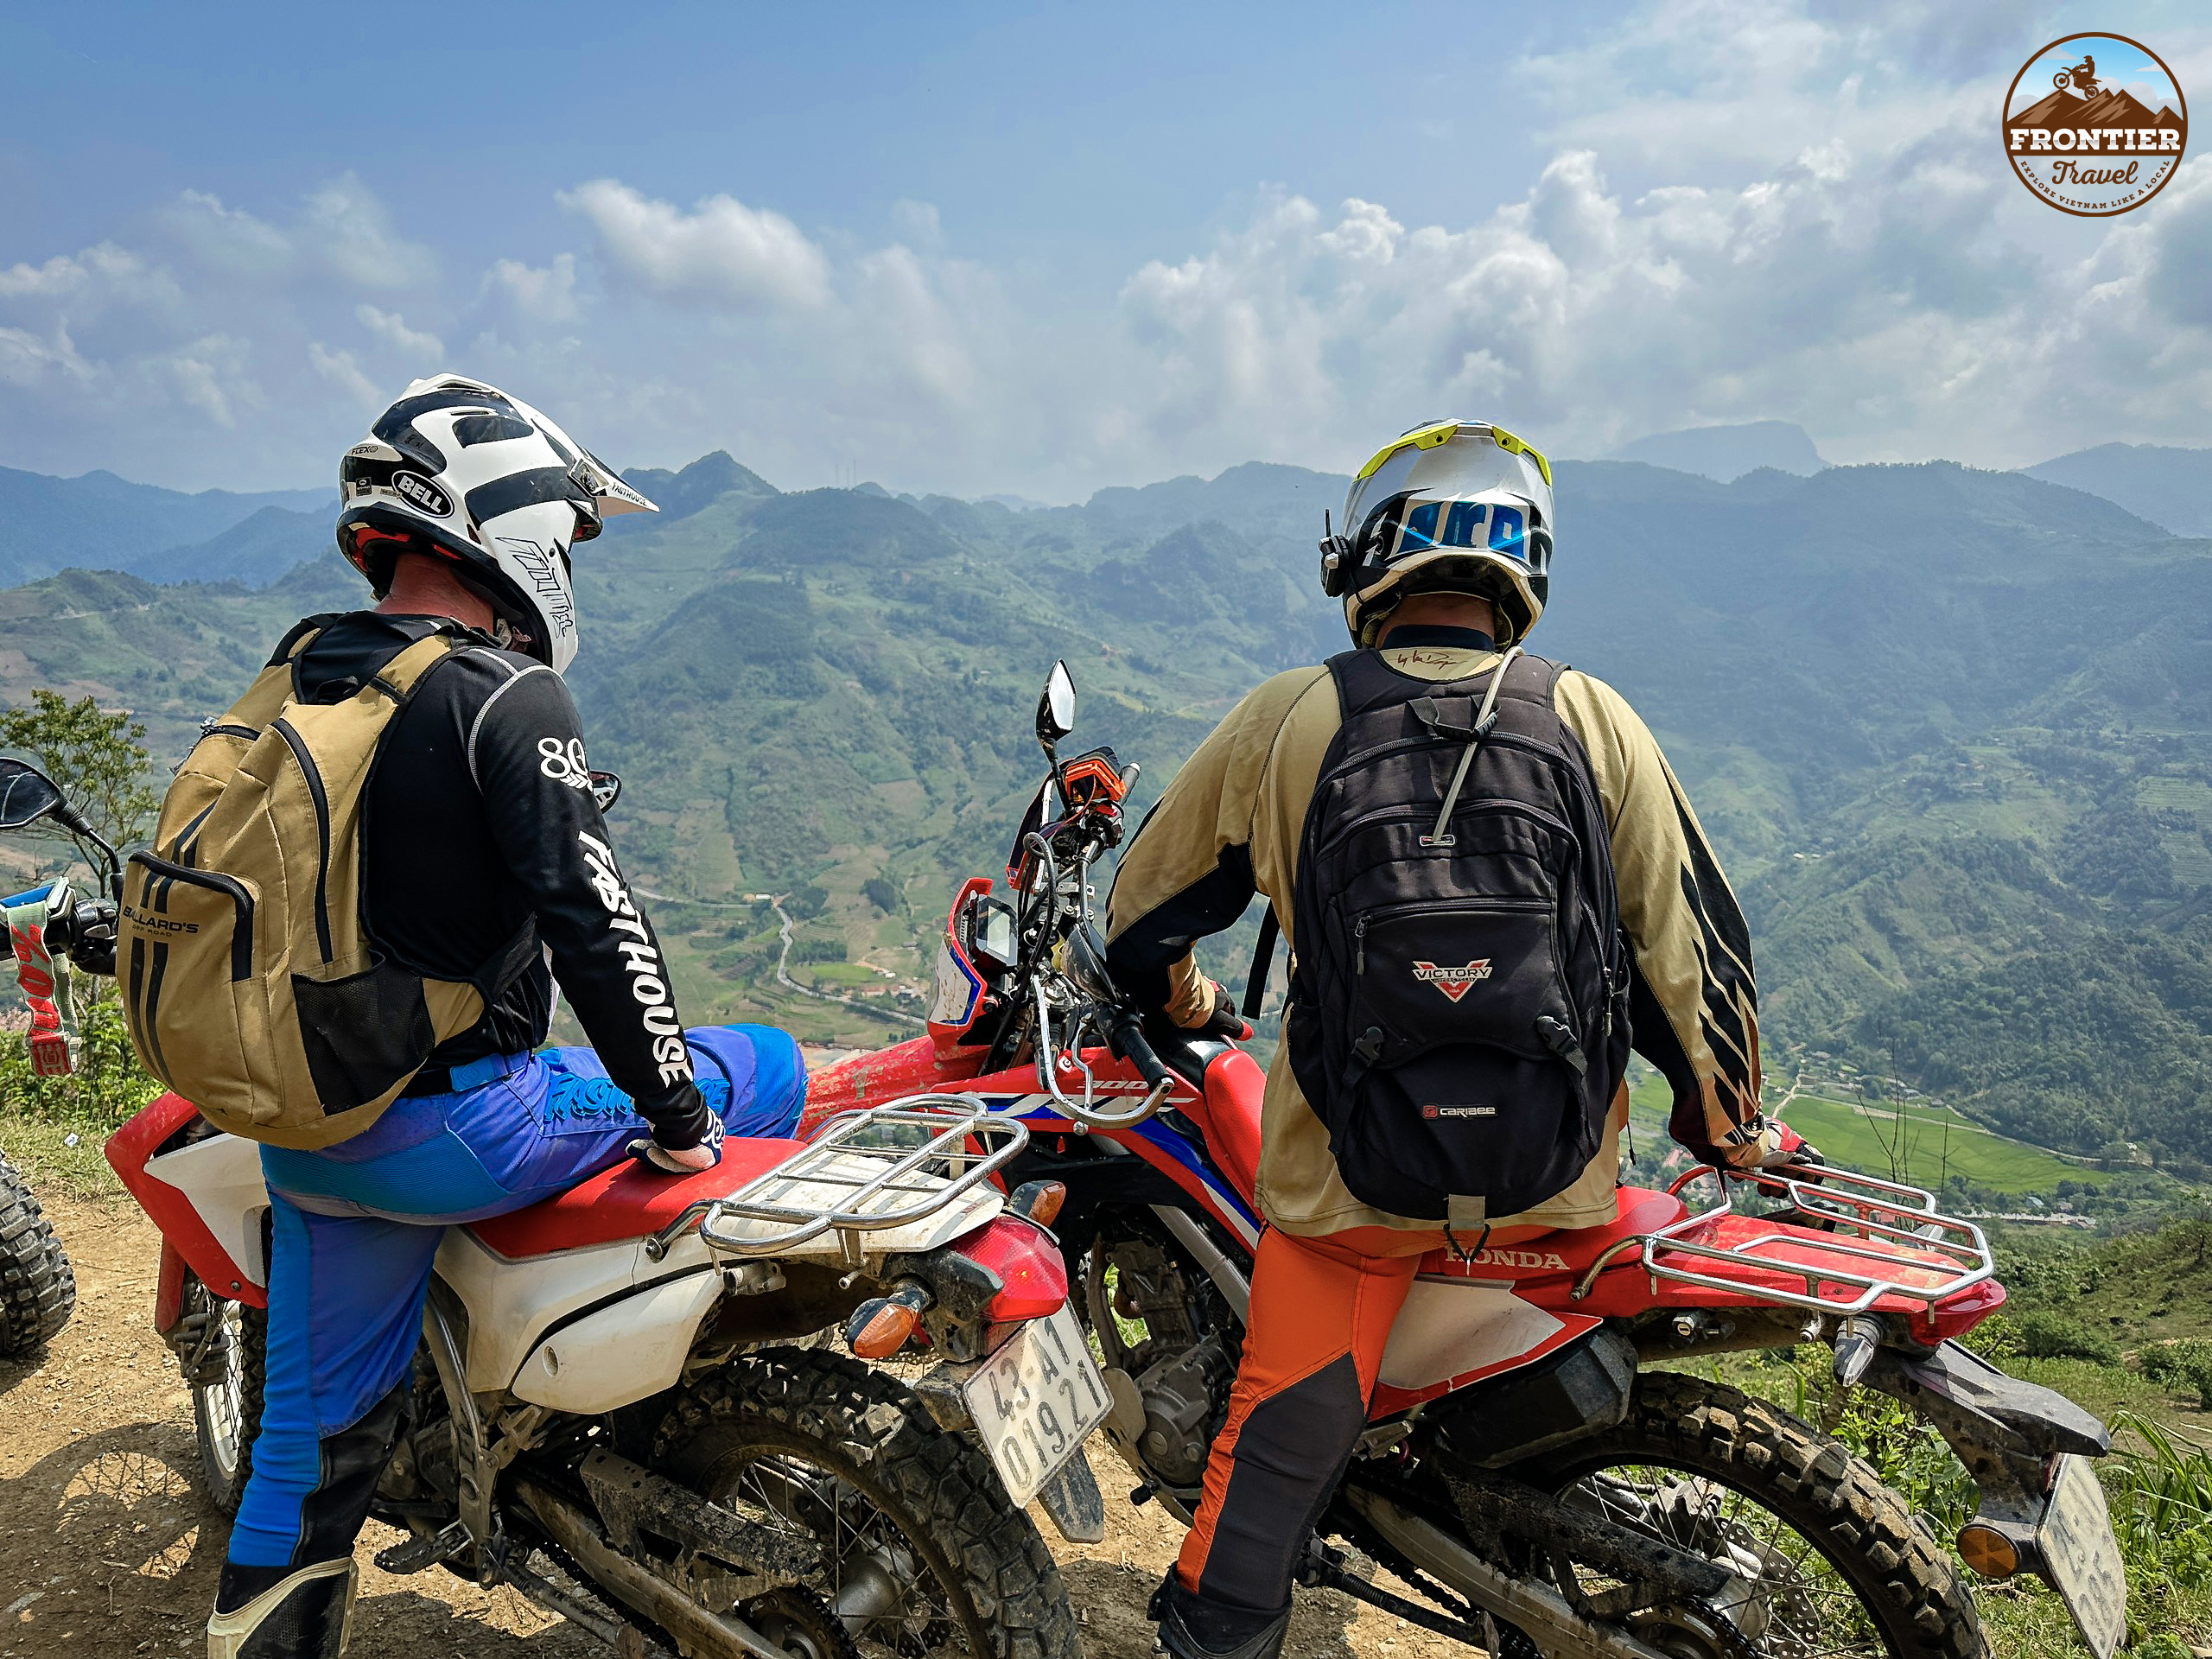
(625, 1202)
(1539, 1251)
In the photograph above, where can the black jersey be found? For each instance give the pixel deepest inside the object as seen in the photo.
(479, 816)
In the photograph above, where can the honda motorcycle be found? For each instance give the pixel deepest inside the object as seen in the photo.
(617, 1412)
(38, 1291)
(1541, 1470)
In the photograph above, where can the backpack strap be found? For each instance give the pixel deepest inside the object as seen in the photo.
(1263, 954)
(1425, 710)
(399, 676)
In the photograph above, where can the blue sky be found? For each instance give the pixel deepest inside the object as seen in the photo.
(977, 249)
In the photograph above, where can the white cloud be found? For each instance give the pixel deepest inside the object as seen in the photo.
(723, 253)
(541, 295)
(350, 231)
(228, 238)
(210, 375)
(340, 368)
(1744, 209)
(391, 328)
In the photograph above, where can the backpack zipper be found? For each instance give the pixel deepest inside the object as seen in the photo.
(242, 929)
(1419, 814)
(298, 746)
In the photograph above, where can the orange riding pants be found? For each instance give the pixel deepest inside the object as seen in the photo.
(1321, 1314)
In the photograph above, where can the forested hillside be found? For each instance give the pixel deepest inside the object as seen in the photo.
(1952, 730)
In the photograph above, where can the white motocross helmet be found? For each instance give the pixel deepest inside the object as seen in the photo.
(488, 481)
(1457, 504)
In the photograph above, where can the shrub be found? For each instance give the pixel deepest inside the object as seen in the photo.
(880, 894)
(2169, 1364)
(2053, 1336)
(107, 1086)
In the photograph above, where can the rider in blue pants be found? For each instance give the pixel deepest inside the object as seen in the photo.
(481, 834)
(355, 1228)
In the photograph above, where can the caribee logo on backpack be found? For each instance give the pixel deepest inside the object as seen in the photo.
(1453, 982)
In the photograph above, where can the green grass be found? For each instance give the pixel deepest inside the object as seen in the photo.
(1934, 1144)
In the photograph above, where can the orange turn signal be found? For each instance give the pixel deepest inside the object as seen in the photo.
(1989, 1551)
(1039, 1201)
(881, 1328)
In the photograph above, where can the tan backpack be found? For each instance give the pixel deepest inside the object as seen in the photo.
(251, 985)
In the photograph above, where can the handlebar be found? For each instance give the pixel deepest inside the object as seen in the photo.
(1123, 1040)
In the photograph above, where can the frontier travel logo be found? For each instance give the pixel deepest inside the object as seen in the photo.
(2095, 124)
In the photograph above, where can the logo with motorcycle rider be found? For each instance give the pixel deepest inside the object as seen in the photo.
(2095, 124)
(1453, 982)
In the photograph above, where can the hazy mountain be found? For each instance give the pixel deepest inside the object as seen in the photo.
(680, 494)
(103, 522)
(255, 551)
(1726, 452)
(1965, 795)
(2172, 487)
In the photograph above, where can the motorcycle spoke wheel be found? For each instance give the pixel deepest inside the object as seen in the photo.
(922, 1554)
(1829, 1563)
(226, 1407)
(1792, 1601)
(876, 1584)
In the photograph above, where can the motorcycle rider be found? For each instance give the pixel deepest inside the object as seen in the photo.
(1331, 1270)
(463, 504)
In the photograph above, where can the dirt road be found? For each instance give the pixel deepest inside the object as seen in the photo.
(108, 1549)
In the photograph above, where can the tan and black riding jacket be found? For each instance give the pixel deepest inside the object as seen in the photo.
(1229, 826)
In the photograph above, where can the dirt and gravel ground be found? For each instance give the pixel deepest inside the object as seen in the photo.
(108, 1549)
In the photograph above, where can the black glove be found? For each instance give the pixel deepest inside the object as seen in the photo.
(1224, 1024)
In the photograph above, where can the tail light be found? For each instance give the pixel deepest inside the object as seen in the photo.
(1025, 1260)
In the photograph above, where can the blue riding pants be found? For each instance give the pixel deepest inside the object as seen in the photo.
(354, 1228)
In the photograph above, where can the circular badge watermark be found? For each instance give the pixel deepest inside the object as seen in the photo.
(2095, 124)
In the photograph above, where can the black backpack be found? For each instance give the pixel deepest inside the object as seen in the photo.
(1458, 1008)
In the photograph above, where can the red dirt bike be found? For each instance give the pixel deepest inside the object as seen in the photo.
(38, 1290)
(1540, 1469)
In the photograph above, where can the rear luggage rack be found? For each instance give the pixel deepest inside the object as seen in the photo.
(1846, 1271)
(864, 1172)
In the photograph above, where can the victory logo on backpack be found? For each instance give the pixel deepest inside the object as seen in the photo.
(1453, 982)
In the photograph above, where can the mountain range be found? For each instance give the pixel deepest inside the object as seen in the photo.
(102, 521)
(1960, 778)
(1725, 453)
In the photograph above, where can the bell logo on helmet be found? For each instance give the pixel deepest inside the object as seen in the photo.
(423, 493)
(1453, 982)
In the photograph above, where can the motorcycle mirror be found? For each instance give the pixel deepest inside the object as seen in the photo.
(605, 789)
(26, 794)
(1056, 709)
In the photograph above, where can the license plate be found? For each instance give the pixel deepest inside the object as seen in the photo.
(1035, 1399)
(2082, 1558)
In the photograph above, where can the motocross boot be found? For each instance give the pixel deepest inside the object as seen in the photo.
(1193, 1628)
(267, 1612)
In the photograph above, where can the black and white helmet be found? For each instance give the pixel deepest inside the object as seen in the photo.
(488, 481)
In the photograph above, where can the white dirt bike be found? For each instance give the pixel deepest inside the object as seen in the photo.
(610, 1414)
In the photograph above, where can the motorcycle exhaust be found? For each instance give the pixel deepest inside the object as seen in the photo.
(696, 1630)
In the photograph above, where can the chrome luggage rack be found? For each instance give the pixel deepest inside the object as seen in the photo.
(1947, 1255)
(862, 1171)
